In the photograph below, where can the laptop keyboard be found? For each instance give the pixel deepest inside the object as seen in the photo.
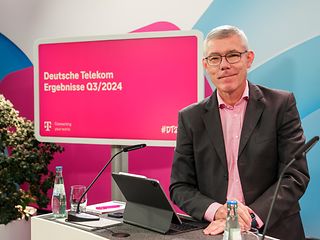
(184, 227)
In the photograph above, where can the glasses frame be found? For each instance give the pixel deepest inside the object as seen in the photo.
(225, 56)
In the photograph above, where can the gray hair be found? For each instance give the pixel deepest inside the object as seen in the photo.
(222, 32)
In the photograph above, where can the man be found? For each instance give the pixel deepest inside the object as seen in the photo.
(235, 143)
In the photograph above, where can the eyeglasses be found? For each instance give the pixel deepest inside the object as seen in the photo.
(231, 57)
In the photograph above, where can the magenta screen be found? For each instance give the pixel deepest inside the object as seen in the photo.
(117, 90)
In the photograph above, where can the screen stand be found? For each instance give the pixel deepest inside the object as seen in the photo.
(119, 165)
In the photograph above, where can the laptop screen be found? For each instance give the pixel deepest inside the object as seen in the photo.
(142, 190)
(146, 202)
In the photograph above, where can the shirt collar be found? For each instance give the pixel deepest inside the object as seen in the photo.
(245, 96)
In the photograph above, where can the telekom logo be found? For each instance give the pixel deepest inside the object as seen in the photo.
(47, 126)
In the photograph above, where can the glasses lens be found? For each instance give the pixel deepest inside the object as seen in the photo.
(233, 57)
(214, 60)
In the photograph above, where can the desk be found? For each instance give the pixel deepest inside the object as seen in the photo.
(45, 227)
(144, 234)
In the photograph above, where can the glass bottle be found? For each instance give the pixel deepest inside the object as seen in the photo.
(59, 200)
(232, 230)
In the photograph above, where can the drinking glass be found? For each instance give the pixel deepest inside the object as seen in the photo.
(75, 195)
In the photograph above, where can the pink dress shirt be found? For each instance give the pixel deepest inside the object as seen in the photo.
(231, 120)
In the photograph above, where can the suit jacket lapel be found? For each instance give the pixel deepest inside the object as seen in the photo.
(254, 111)
(212, 122)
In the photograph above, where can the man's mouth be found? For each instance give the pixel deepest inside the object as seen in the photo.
(227, 75)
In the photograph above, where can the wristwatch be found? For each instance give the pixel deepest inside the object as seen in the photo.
(254, 223)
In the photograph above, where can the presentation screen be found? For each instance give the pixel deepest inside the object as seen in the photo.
(118, 89)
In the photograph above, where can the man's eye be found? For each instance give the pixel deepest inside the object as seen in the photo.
(231, 55)
(214, 58)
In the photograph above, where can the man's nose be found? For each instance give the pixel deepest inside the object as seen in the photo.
(224, 63)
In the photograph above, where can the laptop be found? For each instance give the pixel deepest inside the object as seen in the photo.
(147, 206)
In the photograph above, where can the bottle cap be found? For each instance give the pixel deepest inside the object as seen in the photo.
(58, 168)
(232, 202)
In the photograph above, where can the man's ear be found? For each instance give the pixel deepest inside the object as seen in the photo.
(250, 58)
(204, 64)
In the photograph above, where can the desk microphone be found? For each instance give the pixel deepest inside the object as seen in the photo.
(300, 153)
(76, 216)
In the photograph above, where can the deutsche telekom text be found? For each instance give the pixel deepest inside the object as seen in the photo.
(97, 81)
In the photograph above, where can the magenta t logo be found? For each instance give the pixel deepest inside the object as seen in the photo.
(47, 126)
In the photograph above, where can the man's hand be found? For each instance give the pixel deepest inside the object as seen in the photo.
(243, 215)
(215, 227)
(221, 213)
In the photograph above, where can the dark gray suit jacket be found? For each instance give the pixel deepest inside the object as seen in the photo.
(271, 134)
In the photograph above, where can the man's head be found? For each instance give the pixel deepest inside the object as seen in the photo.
(227, 59)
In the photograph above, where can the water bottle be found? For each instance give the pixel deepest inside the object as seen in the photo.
(232, 230)
(59, 200)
